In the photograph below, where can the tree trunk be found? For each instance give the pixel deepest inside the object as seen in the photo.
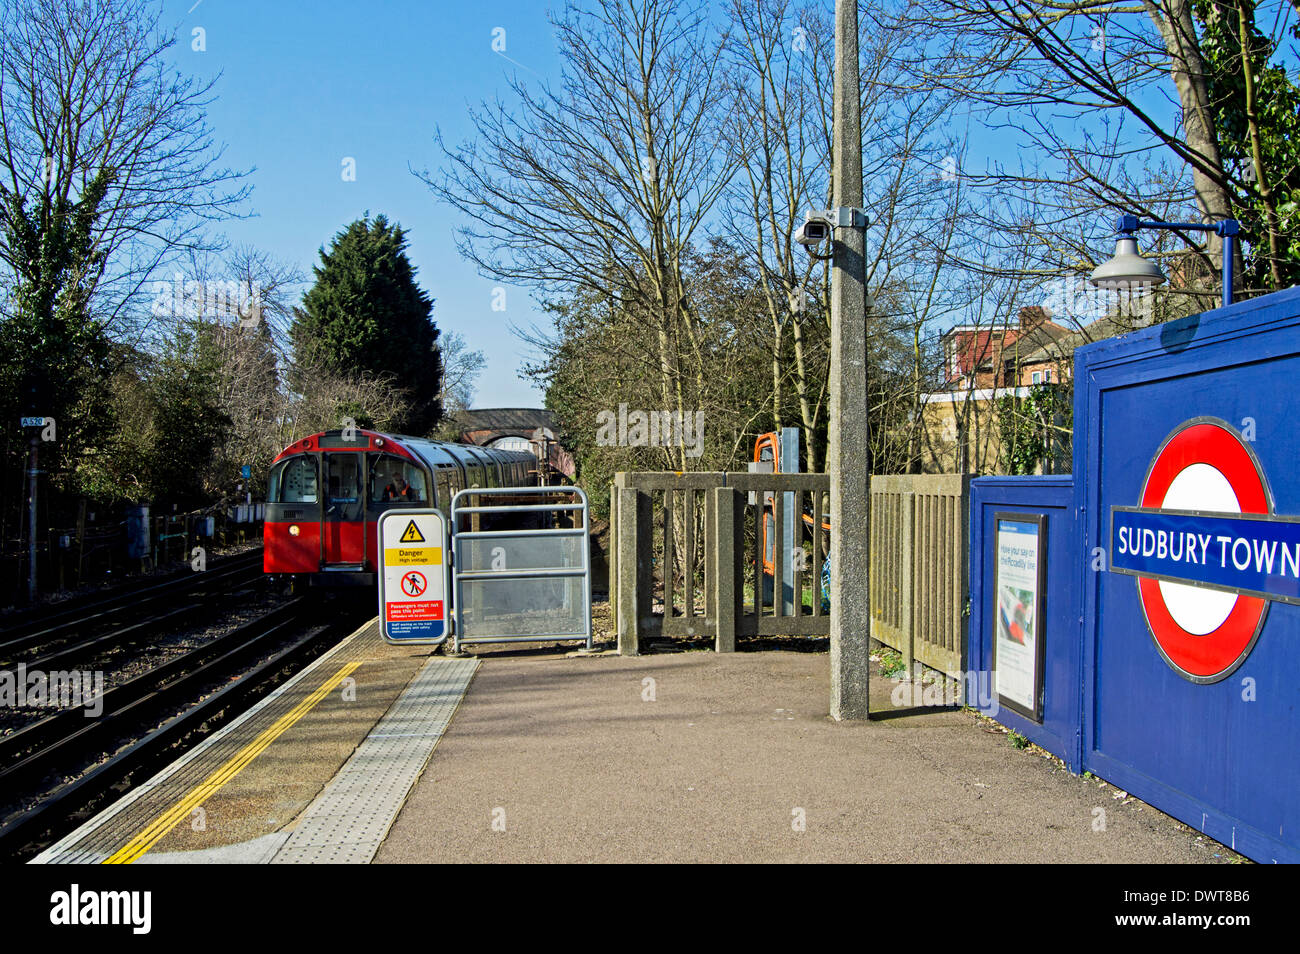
(1174, 20)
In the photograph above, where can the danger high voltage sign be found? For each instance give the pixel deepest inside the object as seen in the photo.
(413, 582)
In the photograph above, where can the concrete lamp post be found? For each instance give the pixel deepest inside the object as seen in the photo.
(848, 457)
(1128, 268)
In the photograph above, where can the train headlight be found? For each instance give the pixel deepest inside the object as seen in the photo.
(294, 531)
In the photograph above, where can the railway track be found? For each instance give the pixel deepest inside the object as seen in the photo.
(63, 767)
(49, 641)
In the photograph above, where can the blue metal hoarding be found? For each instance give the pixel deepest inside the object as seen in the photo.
(998, 499)
(1187, 494)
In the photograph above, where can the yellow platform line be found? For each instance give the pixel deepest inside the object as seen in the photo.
(169, 819)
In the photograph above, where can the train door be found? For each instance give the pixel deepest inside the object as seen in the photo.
(293, 509)
(343, 525)
(445, 474)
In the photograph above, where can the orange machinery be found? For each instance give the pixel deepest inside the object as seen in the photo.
(767, 449)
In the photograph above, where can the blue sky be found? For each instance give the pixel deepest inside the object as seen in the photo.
(304, 85)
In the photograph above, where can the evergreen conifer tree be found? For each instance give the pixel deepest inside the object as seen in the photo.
(365, 314)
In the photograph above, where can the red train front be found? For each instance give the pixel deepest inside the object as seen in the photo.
(328, 490)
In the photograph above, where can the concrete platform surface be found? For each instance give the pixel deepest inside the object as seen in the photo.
(698, 757)
(245, 792)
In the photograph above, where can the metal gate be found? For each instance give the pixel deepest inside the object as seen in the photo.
(513, 583)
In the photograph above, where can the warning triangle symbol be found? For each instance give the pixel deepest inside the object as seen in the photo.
(411, 534)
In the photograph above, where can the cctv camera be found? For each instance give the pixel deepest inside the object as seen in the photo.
(813, 232)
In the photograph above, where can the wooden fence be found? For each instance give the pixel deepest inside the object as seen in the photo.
(919, 573)
(685, 560)
(87, 553)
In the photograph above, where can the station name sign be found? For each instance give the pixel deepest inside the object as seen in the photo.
(1246, 553)
(1209, 551)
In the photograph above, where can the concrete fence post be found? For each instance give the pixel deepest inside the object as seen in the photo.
(907, 559)
(711, 561)
(728, 539)
(634, 554)
(611, 553)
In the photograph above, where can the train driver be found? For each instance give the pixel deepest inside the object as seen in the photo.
(399, 489)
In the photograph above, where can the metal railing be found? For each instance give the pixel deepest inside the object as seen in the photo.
(88, 553)
(521, 584)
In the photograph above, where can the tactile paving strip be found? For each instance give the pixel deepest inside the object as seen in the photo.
(350, 818)
(104, 834)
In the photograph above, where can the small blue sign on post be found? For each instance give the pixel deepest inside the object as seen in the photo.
(246, 471)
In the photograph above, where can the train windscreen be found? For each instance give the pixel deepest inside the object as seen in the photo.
(395, 479)
(293, 481)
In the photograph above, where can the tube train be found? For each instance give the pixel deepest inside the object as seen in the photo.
(327, 492)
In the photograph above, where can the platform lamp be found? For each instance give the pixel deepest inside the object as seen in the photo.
(1128, 268)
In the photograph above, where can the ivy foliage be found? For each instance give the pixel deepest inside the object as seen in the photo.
(1277, 107)
(54, 354)
(1034, 429)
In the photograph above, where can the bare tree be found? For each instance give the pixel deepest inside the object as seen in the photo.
(85, 93)
(461, 367)
(602, 184)
(781, 60)
(337, 400)
(1082, 88)
(781, 122)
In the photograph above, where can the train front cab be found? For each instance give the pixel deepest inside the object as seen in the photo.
(327, 493)
(325, 496)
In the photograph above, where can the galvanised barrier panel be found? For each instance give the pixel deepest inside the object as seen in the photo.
(520, 584)
(1191, 638)
(1056, 727)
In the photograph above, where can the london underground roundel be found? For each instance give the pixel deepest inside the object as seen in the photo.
(1207, 549)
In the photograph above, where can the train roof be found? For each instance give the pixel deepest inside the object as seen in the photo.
(431, 452)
